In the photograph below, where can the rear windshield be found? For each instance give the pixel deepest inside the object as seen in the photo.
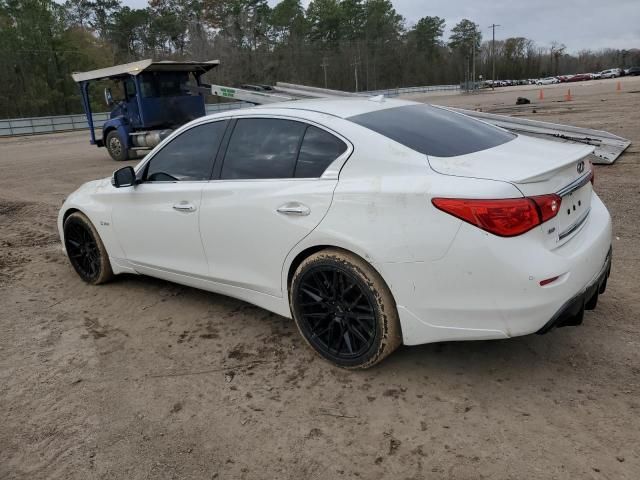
(433, 131)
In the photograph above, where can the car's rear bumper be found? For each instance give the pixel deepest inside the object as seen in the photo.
(572, 312)
(486, 287)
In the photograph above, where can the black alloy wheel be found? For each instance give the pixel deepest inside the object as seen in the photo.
(344, 309)
(337, 311)
(85, 250)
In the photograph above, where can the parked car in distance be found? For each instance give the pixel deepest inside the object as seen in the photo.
(610, 73)
(580, 77)
(547, 81)
(371, 222)
(633, 71)
(595, 75)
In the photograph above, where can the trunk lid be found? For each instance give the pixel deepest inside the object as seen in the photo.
(536, 167)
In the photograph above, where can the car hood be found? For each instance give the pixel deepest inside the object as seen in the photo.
(94, 185)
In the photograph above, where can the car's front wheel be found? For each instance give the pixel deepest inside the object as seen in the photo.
(86, 251)
(344, 309)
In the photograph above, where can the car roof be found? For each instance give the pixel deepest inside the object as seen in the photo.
(338, 107)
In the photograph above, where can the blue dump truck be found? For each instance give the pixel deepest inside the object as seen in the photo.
(151, 100)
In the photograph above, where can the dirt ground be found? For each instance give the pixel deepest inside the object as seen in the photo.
(142, 379)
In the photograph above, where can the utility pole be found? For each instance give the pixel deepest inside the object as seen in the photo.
(473, 56)
(356, 62)
(493, 55)
(324, 65)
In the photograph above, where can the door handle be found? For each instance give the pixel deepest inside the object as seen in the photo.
(184, 207)
(294, 208)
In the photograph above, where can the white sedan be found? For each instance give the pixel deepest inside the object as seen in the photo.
(611, 73)
(547, 81)
(371, 222)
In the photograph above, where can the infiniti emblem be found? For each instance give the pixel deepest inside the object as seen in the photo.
(580, 166)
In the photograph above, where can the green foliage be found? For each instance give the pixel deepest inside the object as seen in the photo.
(38, 50)
(43, 41)
(465, 37)
(428, 35)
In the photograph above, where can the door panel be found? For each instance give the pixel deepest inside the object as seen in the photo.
(246, 239)
(157, 226)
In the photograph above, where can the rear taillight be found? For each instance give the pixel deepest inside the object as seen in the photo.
(506, 217)
(548, 205)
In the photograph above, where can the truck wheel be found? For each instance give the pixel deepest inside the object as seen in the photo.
(117, 147)
(344, 309)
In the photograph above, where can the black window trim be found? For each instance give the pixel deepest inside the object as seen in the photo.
(332, 171)
(141, 169)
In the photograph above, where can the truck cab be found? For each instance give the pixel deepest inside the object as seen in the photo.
(147, 101)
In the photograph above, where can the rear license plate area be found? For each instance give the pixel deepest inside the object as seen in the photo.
(574, 210)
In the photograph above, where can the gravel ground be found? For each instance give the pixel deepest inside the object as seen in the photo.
(141, 378)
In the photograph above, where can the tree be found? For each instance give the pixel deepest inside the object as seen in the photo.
(427, 34)
(465, 37)
(130, 33)
(556, 52)
(288, 21)
(325, 20)
(353, 19)
(43, 41)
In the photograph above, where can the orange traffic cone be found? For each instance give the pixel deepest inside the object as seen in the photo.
(618, 86)
(541, 96)
(568, 97)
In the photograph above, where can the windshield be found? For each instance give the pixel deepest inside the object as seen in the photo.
(164, 84)
(433, 131)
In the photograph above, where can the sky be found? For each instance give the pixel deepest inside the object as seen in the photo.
(579, 24)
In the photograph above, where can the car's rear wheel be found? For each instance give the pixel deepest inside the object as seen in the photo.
(86, 251)
(344, 309)
(116, 146)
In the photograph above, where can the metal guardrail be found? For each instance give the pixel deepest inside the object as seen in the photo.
(64, 123)
(394, 92)
(60, 123)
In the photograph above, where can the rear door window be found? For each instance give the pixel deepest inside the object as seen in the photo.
(433, 131)
(319, 148)
(262, 148)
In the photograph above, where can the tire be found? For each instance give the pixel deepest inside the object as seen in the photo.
(334, 291)
(85, 250)
(116, 146)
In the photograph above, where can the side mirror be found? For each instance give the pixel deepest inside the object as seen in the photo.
(124, 177)
(108, 97)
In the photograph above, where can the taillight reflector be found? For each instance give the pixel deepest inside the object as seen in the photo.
(548, 281)
(505, 217)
